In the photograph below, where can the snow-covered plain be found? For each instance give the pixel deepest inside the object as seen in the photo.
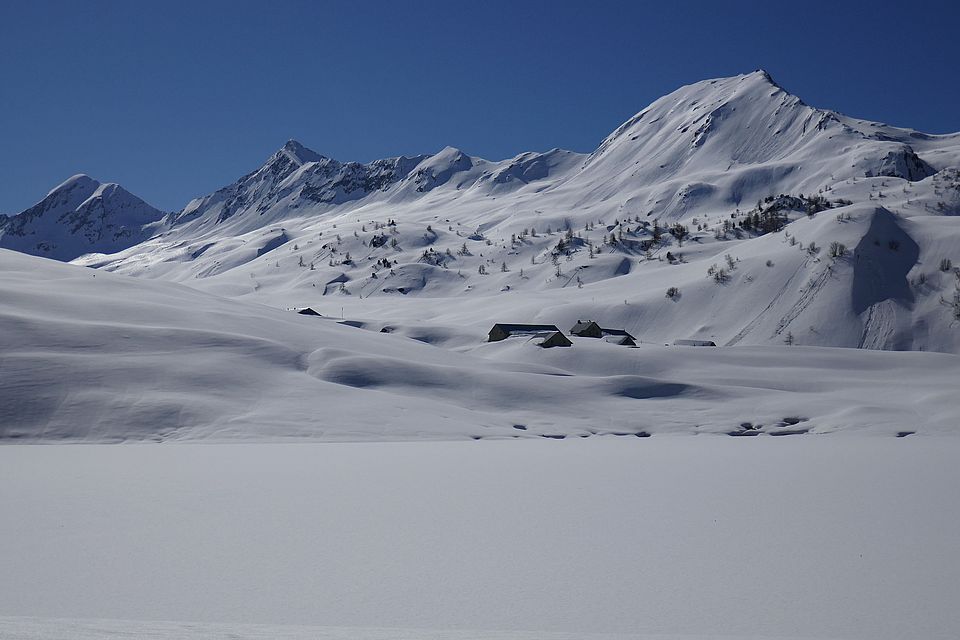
(828, 537)
(25, 628)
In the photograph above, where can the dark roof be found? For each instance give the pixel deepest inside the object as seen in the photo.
(581, 325)
(554, 339)
(584, 325)
(308, 312)
(526, 328)
(616, 332)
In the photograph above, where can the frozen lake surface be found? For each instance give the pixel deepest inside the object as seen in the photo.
(805, 537)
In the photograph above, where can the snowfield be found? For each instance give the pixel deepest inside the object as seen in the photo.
(98, 357)
(705, 537)
(20, 628)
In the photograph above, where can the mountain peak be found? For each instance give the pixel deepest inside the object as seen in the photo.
(80, 180)
(300, 154)
(449, 154)
(762, 78)
(80, 215)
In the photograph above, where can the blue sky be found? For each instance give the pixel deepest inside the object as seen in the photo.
(176, 99)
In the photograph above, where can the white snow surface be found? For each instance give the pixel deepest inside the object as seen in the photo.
(26, 628)
(95, 356)
(692, 538)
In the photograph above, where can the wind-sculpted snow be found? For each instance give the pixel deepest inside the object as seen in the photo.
(93, 356)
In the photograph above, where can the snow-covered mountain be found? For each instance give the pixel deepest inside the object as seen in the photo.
(296, 181)
(292, 178)
(722, 142)
(768, 220)
(80, 216)
(796, 225)
(725, 143)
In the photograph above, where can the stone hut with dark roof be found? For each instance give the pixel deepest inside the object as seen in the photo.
(624, 341)
(555, 339)
(586, 329)
(547, 335)
(590, 329)
(308, 311)
(502, 331)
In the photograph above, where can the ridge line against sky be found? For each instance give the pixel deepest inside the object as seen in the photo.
(175, 99)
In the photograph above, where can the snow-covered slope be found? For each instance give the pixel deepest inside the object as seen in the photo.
(95, 356)
(732, 141)
(80, 216)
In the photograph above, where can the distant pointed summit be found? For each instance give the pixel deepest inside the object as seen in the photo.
(299, 153)
(80, 215)
(764, 74)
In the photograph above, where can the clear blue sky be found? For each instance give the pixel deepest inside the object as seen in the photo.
(176, 99)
